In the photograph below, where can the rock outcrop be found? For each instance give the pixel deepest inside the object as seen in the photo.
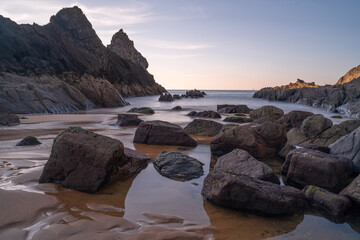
(162, 133)
(350, 75)
(344, 98)
(128, 120)
(87, 161)
(166, 97)
(178, 166)
(142, 110)
(202, 127)
(227, 108)
(8, 119)
(293, 119)
(70, 56)
(267, 112)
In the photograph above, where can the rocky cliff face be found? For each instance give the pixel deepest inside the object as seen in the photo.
(343, 98)
(66, 52)
(124, 47)
(350, 75)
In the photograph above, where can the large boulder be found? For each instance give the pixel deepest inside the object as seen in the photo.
(143, 110)
(166, 97)
(195, 93)
(311, 167)
(128, 120)
(87, 161)
(202, 127)
(178, 166)
(204, 114)
(352, 191)
(271, 112)
(293, 119)
(331, 205)
(314, 125)
(226, 108)
(240, 162)
(246, 193)
(9, 119)
(238, 119)
(349, 147)
(162, 133)
(289, 147)
(260, 140)
(28, 141)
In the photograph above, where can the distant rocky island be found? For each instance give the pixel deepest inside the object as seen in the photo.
(342, 97)
(63, 66)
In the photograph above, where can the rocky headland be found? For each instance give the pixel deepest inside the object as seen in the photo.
(343, 97)
(63, 66)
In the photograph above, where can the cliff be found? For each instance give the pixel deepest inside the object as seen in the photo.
(350, 75)
(343, 98)
(66, 52)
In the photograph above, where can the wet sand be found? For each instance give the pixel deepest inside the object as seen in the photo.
(147, 206)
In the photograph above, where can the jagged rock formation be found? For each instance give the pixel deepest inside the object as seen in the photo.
(124, 47)
(68, 53)
(344, 98)
(350, 75)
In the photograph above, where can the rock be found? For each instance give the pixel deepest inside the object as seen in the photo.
(136, 161)
(166, 97)
(289, 147)
(124, 47)
(293, 119)
(331, 205)
(260, 140)
(162, 133)
(245, 193)
(128, 120)
(267, 111)
(8, 119)
(176, 96)
(238, 119)
(195, 94)
(204, 114)
(143, 110)
(352, 191)
(226, 108)
(28, 141)
(350, 75)
(314, 125)
(87, 161)
(178, 166)
(177, 108)
(202, 127)
(336, 116)
(311, 167)
(66, 50)
(348, 147)
(338, 98)
(240, 162)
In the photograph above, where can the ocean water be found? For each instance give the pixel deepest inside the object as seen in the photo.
(149, 192)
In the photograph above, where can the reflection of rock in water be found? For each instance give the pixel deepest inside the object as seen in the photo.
(234, 224)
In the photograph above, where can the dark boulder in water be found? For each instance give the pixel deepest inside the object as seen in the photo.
(143, 110)
(226, 108)
(271, 112)
(202, 127)
(204, 114)
(294, 119)
(8, 119)
(28, 141)
(238, 119)
(128, 120)
(177, 108)
(166, 97)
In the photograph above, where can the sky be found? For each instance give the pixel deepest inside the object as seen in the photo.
(223, 44)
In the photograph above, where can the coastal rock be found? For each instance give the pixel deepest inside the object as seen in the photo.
(162, 133)
(311, 167)
(353, 191)
(202, 127)
(314, 125)
(350, 75)
(195, 94)
(204, 114)
(260, 140)
(226, 108)
(238, 119)
(136, 161)
(176, 96)
(177, 108)
(245, 193)
(240, 162)
(28, 141)
(331, 205)
(65, 50)
(124, 47)
(343, 98)
(87, 161)
(178, 166)
(128, 120)
(348, 147)
(143, 110)
(8, 119)
(166, 97)
(294, 119)
(289, 147)
(271, 112)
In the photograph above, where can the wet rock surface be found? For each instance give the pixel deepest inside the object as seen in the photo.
(352, 191)
(166, 97)
(128, 120)
(143, 110)
(28, 141)
(294, 119)
(8, 119)
(162, 133)
(204, 114)
(202, 127)
(226, 108)
(238, 119)
(178, 166)
(270, 112)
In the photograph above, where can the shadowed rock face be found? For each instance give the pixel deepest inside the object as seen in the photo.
(69, 44)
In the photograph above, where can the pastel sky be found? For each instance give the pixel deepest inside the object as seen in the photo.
(233, 44)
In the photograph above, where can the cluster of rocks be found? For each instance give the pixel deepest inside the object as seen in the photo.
(168, 97)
